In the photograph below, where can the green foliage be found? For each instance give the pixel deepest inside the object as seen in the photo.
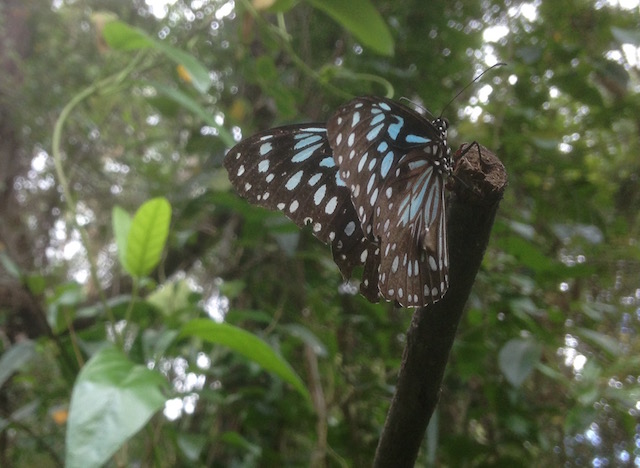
(123, 37)
(112, 399)
(246, 344)
(362, 19)
(545, 367)
(146, 237)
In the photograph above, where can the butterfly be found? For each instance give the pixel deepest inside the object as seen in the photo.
(370, 182)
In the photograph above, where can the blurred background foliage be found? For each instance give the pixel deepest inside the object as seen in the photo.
(546, 367)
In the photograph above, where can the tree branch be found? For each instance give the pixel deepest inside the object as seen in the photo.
(479, 182)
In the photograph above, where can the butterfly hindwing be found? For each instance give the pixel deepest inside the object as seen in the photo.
(292, 169)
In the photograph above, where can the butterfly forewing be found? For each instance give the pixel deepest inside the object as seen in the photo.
(292, 169)
(394, 162)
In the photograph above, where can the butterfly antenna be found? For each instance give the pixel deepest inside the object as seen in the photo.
(499, 64)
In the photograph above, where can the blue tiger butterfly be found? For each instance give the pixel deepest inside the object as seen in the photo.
(370, 182)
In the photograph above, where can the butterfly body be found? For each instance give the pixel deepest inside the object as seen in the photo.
(370, 182)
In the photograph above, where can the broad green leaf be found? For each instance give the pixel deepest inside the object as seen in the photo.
(193, 106)
(15, 358)
(361, 19)
(121, 36)
(147, 236)
(112, 399)
(246, 344)
(121, 222)
(517, 359)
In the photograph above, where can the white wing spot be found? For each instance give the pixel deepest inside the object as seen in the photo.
(319, 195)
(294, 206)
(317, 227)
(331, 205)
(263, 166)
(363, 256)
(374, 197)
(350, 228)
(351, 139)
(241, 170)
(281, 206)
(432, 263)
(294, 180)
(270, 177)
(394, 265)
(314, 179)
(247, 186)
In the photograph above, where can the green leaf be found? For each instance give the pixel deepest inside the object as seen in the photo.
(147, 236)
(606, 343)
(121, 222)
(517, 359)
(112, 399)
(362, 20)
(250, 346)
(191, 105)
(121, 36)
(15, 358)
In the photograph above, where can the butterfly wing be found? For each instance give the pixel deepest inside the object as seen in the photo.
(393, 161)
(292, 169)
